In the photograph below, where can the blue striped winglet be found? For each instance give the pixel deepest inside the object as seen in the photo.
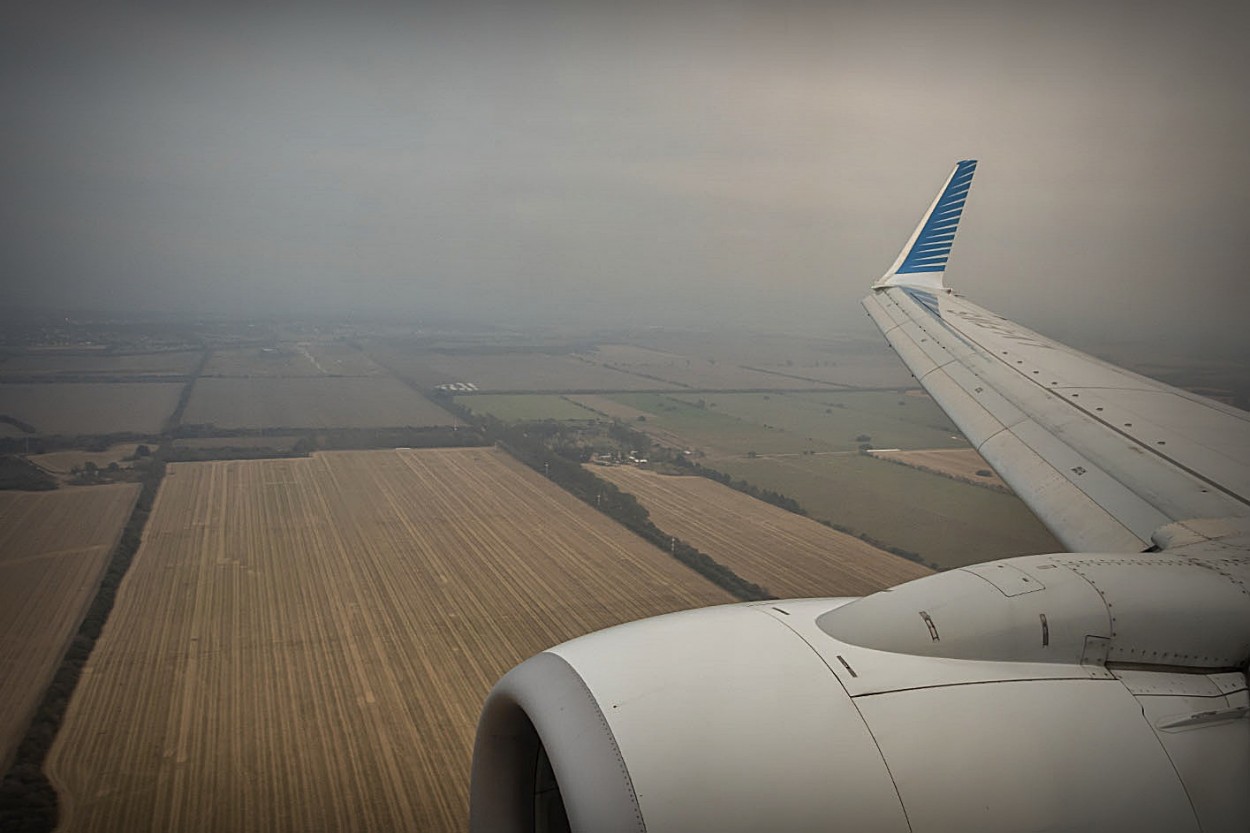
(933, 245)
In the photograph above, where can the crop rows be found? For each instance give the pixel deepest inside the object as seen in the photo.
(788, 554)
(53, 549)
(304, 644)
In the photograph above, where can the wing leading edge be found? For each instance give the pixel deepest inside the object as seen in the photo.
(1106, 458)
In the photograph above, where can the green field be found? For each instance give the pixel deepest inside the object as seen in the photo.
(310, 402)
(735, 424)
(948, 523)
(91, 407)
(99, 366)
(524, 407)
(836, 420)
(712, 431)
(500, 371)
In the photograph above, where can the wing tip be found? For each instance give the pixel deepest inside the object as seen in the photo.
(922, 262)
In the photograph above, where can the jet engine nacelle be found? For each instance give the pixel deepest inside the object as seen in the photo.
(1008, 696)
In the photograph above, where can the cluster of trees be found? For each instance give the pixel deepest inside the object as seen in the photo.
(429, 436)
(28, 801)
(20, 473)
(24, 427)
(197, 455)
(44, 443)
(881, 545)
(622, 507)
(89, 473)
(440, 436)
(558, 449)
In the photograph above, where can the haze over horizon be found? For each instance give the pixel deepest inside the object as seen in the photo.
(709, 163)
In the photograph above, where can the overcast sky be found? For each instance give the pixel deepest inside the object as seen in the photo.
(751, 163)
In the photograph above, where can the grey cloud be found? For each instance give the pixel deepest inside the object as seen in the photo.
(745, 162)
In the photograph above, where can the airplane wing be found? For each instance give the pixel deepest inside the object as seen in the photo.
(1109, 460)
(1104, 690)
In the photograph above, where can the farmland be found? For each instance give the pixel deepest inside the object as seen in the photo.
(790, 555)
(166, 363)
(944, 521)
(519, 371)
(286, 360)
(53, 550)
(278, 441)
(311, 402)
(334, 359)
(836, 421)
(304, 644)
(960, 463)
(691, 371)
(732, 424)
(525, 407)
(292, 359)
(91, 407)
(717, 433)
(64, 462)
(802, 360)
(805, 446)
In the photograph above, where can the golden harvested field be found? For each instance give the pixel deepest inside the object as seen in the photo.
(312, 402)
(790, 555)
(305, 644)
(959, 463)
(91, 407)
(53, 549)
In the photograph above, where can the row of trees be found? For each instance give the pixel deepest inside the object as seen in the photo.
(28, 802)
(558, 450)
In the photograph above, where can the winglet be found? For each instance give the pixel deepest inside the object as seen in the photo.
(922, 263)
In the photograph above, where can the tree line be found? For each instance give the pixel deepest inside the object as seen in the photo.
(558, 452)
(28, 801)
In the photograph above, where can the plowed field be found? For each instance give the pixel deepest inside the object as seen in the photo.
(305, 644)
(53, 549)
(790, 555)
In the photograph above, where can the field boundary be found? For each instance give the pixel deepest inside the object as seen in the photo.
(28, 801)
(528, 447)
(184, 396)
(791, 505)
(984, 484)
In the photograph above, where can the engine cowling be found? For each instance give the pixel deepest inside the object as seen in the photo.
(838, 714)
